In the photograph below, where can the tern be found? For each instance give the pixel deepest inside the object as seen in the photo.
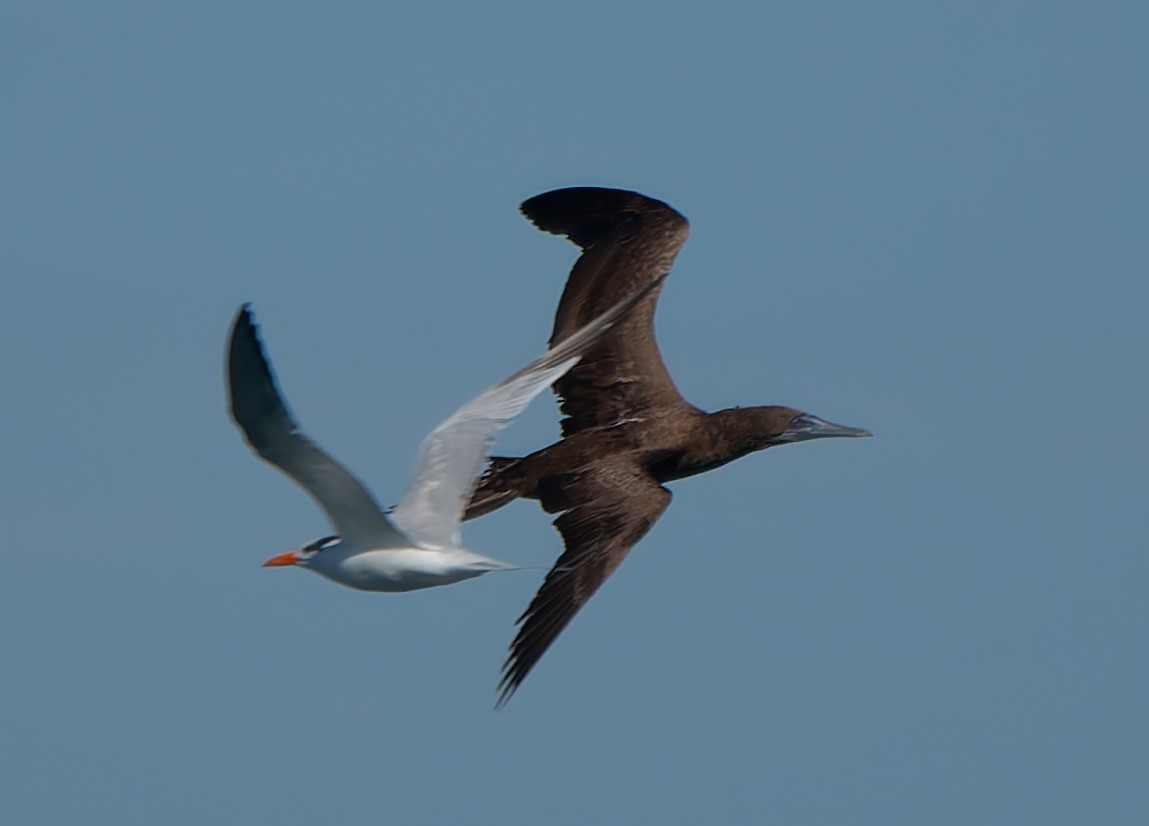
(417, 544)
(627, 429)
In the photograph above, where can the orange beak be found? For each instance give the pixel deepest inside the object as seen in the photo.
(288, 558)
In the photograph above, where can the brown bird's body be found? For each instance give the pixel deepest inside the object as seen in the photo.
(627, 429)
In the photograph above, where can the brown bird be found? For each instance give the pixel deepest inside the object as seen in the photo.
(627, 429)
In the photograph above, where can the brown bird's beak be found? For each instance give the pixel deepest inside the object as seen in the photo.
(288, 558)
(807, 426)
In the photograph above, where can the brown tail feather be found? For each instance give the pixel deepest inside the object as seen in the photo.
(496, 487)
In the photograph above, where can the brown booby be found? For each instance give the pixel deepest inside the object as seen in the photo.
(627, 430)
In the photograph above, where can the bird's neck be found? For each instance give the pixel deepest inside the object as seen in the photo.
(717, 439)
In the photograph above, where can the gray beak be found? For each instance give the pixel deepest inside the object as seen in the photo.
(811, 427)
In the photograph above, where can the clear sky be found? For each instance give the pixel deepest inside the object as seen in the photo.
(925, 219)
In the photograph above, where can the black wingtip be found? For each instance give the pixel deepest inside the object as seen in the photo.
(516, 666)
(505, 694)
(244, 318)
(532, 640)
(513, 676)
(245, 363)
(586, 214)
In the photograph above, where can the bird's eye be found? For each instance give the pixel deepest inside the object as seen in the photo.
(319, 544)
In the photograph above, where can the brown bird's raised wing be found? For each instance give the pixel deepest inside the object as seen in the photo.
(606, 508)
(628, 241)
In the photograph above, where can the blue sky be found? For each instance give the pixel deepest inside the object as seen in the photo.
(928, 221)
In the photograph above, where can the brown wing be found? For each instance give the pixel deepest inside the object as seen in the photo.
(607, 509)
(628, 241)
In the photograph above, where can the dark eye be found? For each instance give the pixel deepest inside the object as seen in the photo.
(319, 544)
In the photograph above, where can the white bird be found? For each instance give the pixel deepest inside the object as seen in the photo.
(417, 544)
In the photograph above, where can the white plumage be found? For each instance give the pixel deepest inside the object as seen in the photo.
(418, 543)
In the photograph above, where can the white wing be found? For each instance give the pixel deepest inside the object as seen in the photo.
(452, 455)
(260, 412)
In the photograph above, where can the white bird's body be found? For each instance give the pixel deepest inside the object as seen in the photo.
(417, 544)
(401, 568)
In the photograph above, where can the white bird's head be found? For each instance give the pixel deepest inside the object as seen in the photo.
(304, 555)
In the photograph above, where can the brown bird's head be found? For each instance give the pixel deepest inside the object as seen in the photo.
(772, 425)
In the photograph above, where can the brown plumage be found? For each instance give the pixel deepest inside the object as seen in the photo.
(626, 430)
